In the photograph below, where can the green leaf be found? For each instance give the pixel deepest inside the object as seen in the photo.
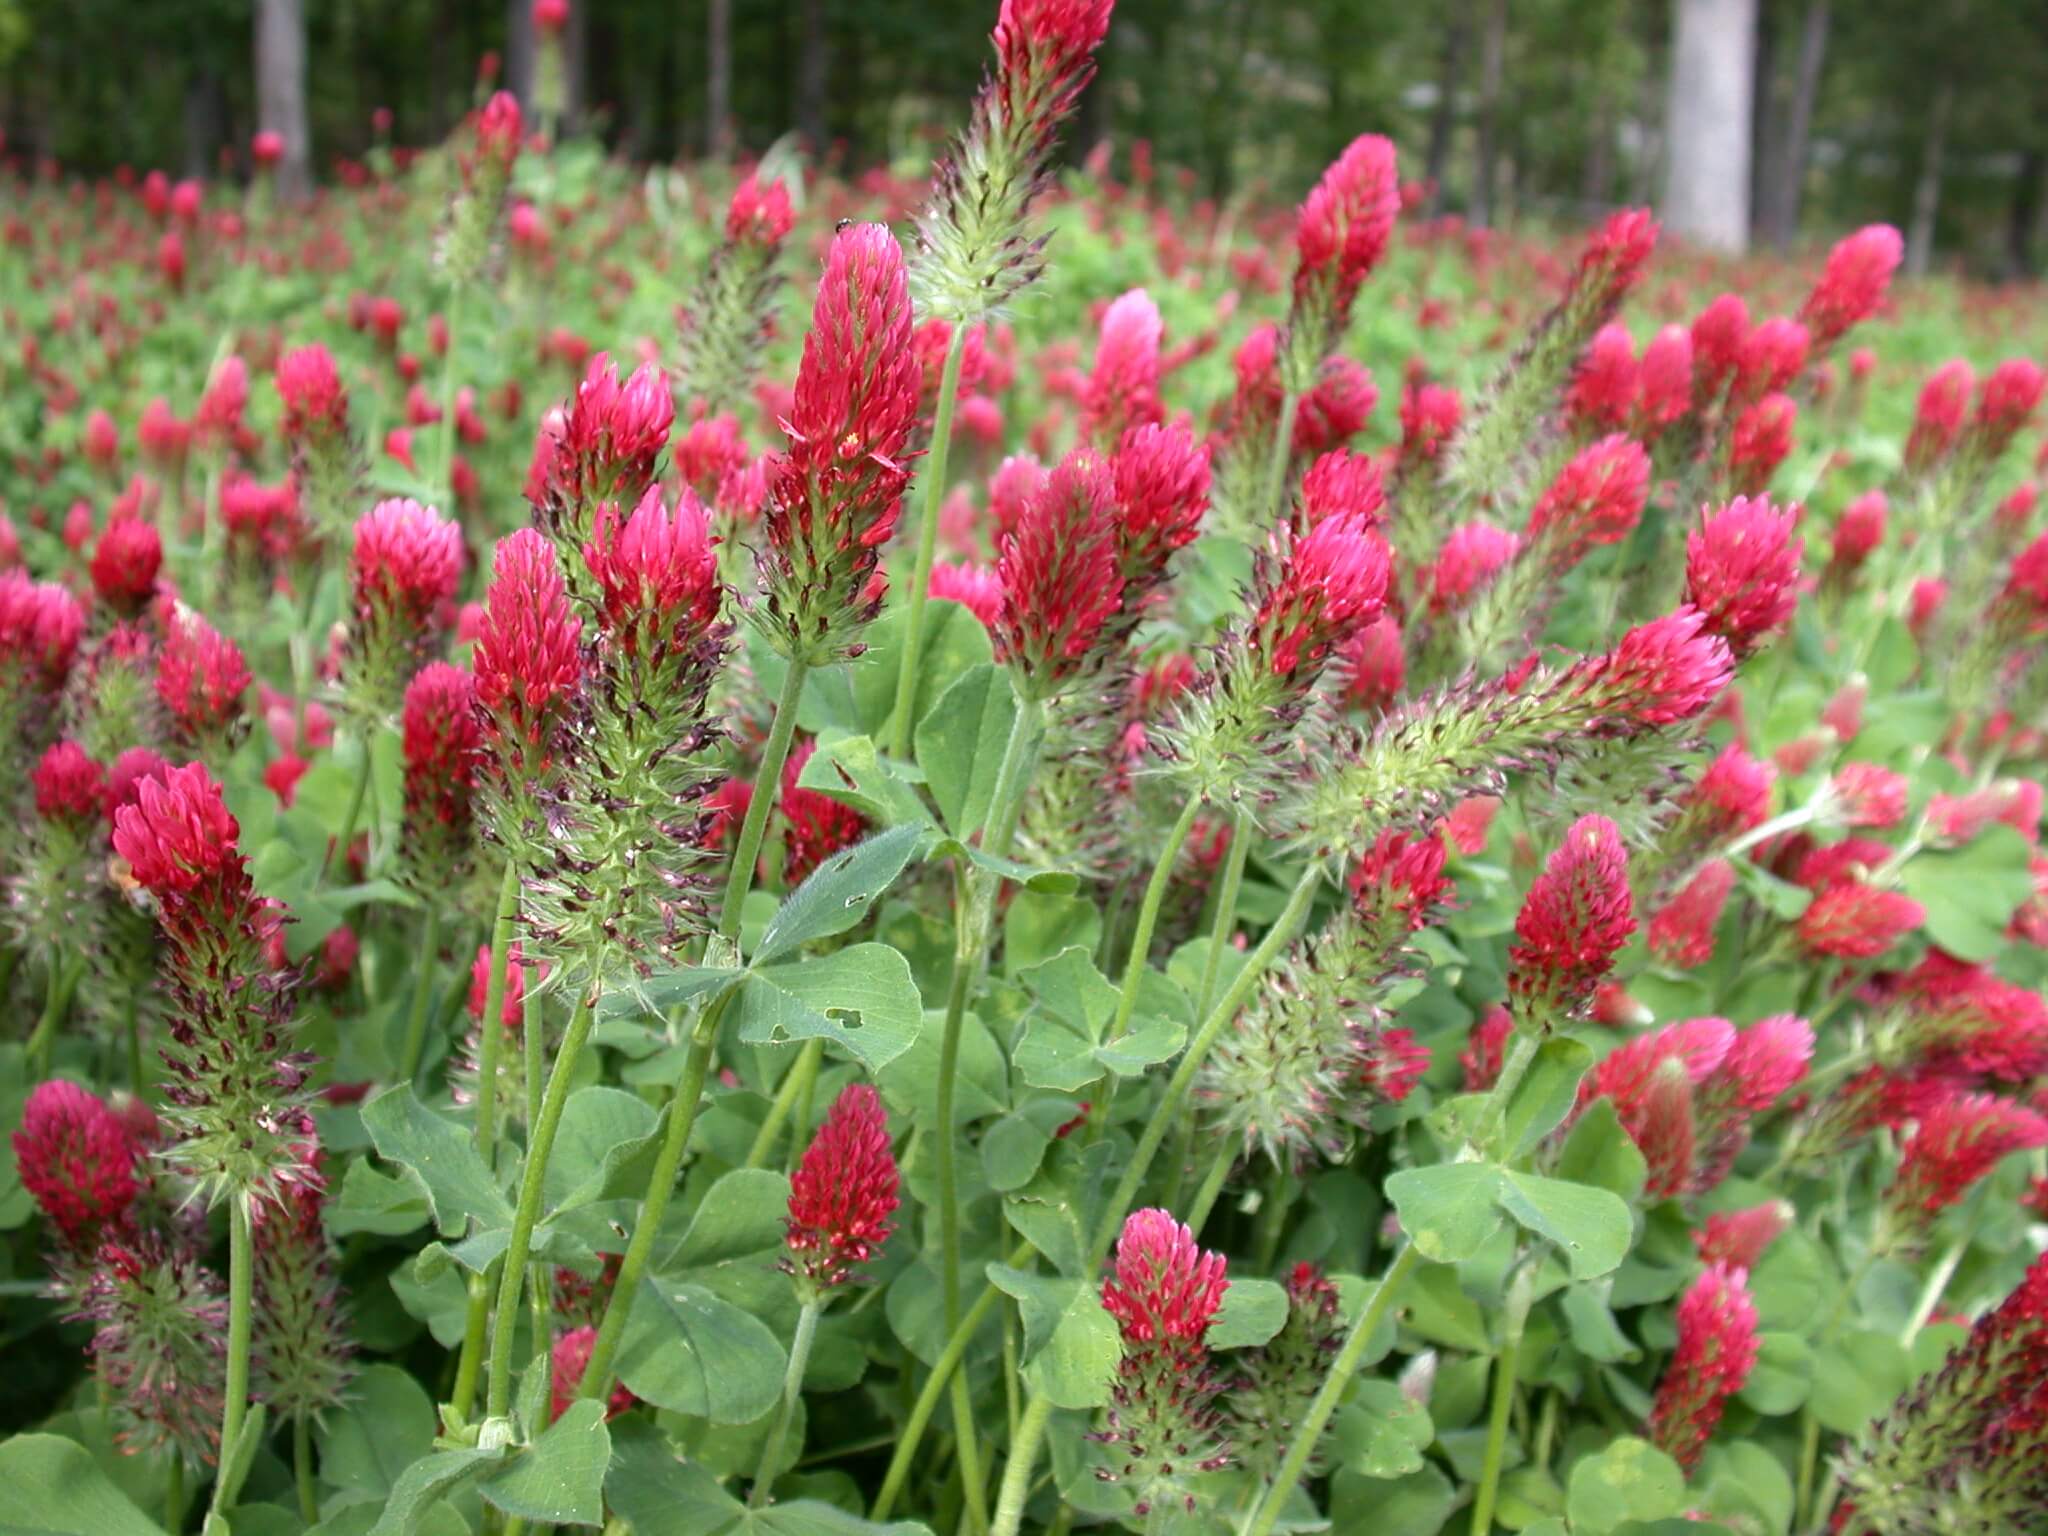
(659, 1493)
(600, 1127)
(1629, 1480)
(1599, 1152)
(559, 1479)
(838, 892)
(1072, 1346)
(370, 1201)
(953, 642)
(849, 769)
(1063, 1045)
(1783, 1374)
(1594, 1332)
(744, 1213)
(690, 1352)
(426, 1483)
(1038, 925)
(1593, 1227)
(1744, 1483)
(1011, 1150)
(961, 742)
(1381, 1433)
(375, 1435)
(1252, 1312)
(440, 1152)
(1546, 1093)
(1856, 1378)
(1971, 893)
(860, 998)
(665, 990)
(1448, 1210)
(1416, 1505)
(54, 1488)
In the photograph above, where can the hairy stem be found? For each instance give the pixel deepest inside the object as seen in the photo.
(1017, 1474)
(747, 851)
(1283, 454)
(792, 1389)
(1505, 1369)
(422, 994)
(302, 1469)
(933, 487)
(795, 1084)
(241, 1314)
(492, 1030)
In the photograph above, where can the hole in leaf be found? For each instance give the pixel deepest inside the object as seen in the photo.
(847, 1018)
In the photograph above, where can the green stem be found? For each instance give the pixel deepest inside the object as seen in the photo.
(132, 1017)
(1226, 910)
(1148, 915)
(302, 1469)
(533, 1036)
(795, 1082)
(1320, 1411)
(422, 995)
(1505, 1368)
(933, 487)
(360, 792)
(174, 1495)
(469, 1364)
(1178, 1087)
(1017, 1474)
(493, 1028)
(1937, 1282)
(447, 453)
(1283, 454)
(1273, 1219)
(526, 1215)
(661, 1183)
(928, 1396)
(1212, 1186)
(241, 1313)
(747, 851)
(63, 982)
(792, 1389)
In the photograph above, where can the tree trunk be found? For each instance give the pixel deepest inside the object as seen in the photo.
(1765, 105)
(718, 81)
(1779, 215)
(281, 92)
(1927, 185)
(1596, 182)
(813, 74)
(520, 52)
(2023, 213)
(205, 120)
(1443, 117)
(576, 45)
(1706, 186)
(1493, 47)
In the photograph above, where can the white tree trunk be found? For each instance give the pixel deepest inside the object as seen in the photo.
(281, 91)
(1706, 187)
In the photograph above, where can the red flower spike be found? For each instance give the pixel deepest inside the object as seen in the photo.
(528, 658)
(1062, 585)
(1664, 671)
(1869, 795)
(1739, 1238)
(1682, 932)
(125, 563)
(1164, 1286)
(1596, 499)
(1343, 481)
(441, 740)
(310, 388)
(76, 1159)
(612, 437)
(1486, 1049)
(1472, 556)
(1401, 877)
(1664, 384)
(1939, 416)
(1770, 360)
(1334, 582)
(1853, 921)
(1958, 1139)
(406, 564)
(1577, 916)
(41, 625)
(1742, 572)
(1123, 390)
(974, 587)
(1430, 415)
(567, 1361)
(1160, 476)
(1717, 1350)
(1859, 530)
(656, 574)
(200, 675)
(1717, 339)
(759, 215)
(1759, 442)
(1853, 284)
(842, 1193)
(1734, 794)
(1603, 386)
(817, 826)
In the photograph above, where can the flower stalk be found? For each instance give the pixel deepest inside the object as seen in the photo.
(902, 722)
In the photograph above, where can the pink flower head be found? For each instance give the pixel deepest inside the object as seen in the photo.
(833, 498)
(1770, 360)
(816, 826)
(1486, 1049)
(1045, 45)
(1682, 932)
(1663, 384)
(41, 624)
(162, 437)
(1343, 481)
(266, 148)
(1957, 1140)
(1717, 1350)
(1667, 670)
(178, 836)
(1603, 386)
(1760, 441)
(406, 565)
(76, 1158)
(101, 440)
(1853, 283)
(1016, 480)
(1334, 581)
(1574, 921)
(976, 588)
(1375, 665)
(842, 1192)
(498, 130)
(441, 739)
(656, 575)
(315, 403)
(69, 785)
(1859, 530)
(570, 1356)
(1595, 499)
(550, 17)
(1764, 1062)
(512, 1009)
(1343, 227)
(1717, 340)
(1161, 489)
(125, 779)
(1652, 1081)
(1734, 794)
(1472, 556)
(1938, 419)
(125, 564)
(1870, 795)
(1430, 414)
(200, 675)
(1853, 921)
(759, 215)
(1165, 1290)
(529, 658)
(2006, 404)
(613, 434)
(1613, 260)
(1336, 409)
(1401, 879)
(1739, 1238)
(1742, 571)
(218, 420)
(1060, 574)
(1123, 391)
